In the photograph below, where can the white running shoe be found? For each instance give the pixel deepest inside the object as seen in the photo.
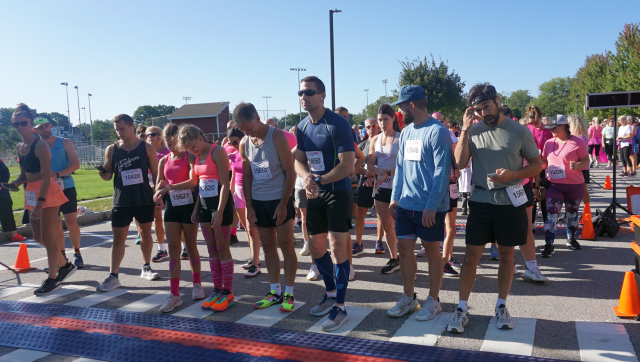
(534, 275)
(148, 273)
(171, 303)
(458, 321)
(352, 273)
(422, 252)
(314, 273)
(305, 249)
(110, 283)
(429, 310)
(197, 292)
(503, 319)
(405, 305)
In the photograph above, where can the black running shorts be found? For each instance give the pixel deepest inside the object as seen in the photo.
(488, 223)
(329, 211)
(123, 216)
(266, 209)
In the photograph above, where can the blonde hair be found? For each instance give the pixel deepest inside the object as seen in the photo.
(577, 125)
(596, 121)
(534, 112)
(157, 130)
(187, 132)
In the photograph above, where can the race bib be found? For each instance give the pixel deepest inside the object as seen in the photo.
(30, 197)
(453, 191)
(315, 160)
(387, 183)
(517, 195)
(131, 177)
(412, 150)
(181, 197)
(150, 177)
(556, 172)
(60, 182)
(261, 170)
(208, 188)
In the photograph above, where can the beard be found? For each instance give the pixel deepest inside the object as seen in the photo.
(492, 119)
(46, 135)
(407, 118)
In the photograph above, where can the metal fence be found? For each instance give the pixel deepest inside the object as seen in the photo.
(91, 155)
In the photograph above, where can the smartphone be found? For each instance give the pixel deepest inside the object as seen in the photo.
(492, 174)
(101, 169)
(11, 187)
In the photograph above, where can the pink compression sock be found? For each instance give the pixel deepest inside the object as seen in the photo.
(227, 274)
(175, 286)
(216, 272)
(233, 231)
(196, 275)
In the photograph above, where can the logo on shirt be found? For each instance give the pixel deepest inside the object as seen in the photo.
(321, 135)
(126, 162)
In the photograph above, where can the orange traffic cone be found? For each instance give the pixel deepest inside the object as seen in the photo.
(586, 213)
(629, 305)
(607, 183)
(22, 260)
(588, 233)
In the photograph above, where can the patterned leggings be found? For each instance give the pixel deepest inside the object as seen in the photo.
(571, 196)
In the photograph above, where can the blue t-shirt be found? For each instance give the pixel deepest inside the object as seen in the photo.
(60, 161)
(423, 167)
(322, 142)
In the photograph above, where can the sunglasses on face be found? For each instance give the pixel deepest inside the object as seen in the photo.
(308, 92)
(20, 124)
(372, 126)
(142, 135)
(152, 134)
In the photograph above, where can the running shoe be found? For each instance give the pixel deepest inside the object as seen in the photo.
(225, 301)
(314, 273)
(422, 252)
(197, 292)
(252, 271)
(184, 255)
(357, 249)
(534, 275)
(233, 239)
(305, 249)
(623, 174)
(608, 168)
(379, 247)
(573, 244)
(352, 273)
(336, 319)
(212, 299)
(592, 163)
(287, 303)
(548, 250)
(138, 240)
(632, 174)
(148, 273)
(171, 303)
(455, 264)
(503, 319)
(459, 319)
(271, 299)
(298, 224)
(429, 310)
(160, 256)
(392, 265)
(324, 307)
(66, 271)
(494, 253)
(405, 305)
(48, 286)
(464, 212)
(77, 260)
(110, 283)
(449, 271)
(247, 264)
(18, 237)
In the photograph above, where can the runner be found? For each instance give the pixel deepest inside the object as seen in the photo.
(64, 161)
(563, 157)
(269, 178)
(212, 169)
(497, 206)
(595, 142)
(420, 197)
(625, 141)
(42, 197)
(382, 163)
(6, 204)
(540, 136)
(128, 161)
(324, 159)
(154, 138)
(578, 128)
(175, 168)
(141, 133)
(609, 141)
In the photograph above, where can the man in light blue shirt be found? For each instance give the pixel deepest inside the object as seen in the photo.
(420, 198)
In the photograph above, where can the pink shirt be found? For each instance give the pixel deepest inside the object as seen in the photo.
(540, 136)
(291, 139)
(558, 157)
(595, 135)
(163, 153)
(236, 166)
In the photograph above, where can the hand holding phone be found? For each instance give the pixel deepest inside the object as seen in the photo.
(101, 169)
(10, 186)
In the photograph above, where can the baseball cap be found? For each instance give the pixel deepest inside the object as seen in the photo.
(555, 121)
(40, 121)
(410, 93)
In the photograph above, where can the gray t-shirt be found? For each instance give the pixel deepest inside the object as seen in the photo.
(506, 146)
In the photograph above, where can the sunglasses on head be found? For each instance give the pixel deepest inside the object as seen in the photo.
(152, 134)
(21, 123)
(308, 92)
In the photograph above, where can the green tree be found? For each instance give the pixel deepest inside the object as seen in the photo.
(594, 76)
(291, 119)
(517, 101)
(143, 114)
(625, 64)
(371, 111)
(58, 119)
(555, 97)
(102, 131)
(443, 86)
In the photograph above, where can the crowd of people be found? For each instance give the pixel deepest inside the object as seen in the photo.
(409, 168)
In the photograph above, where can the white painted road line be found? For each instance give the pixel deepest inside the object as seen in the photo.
(355, 315)
(425, 333)
(17, 289)
(23, 355)
(67, 289)
(518, 340)
(147, 303)
(87, 360)
(195, 311)
(604, 342)
(97, 297)
(268, 316)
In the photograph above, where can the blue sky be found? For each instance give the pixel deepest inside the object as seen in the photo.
(132, 53)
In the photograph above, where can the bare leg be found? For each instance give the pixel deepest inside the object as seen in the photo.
(174, 233)
(71, 220)
(450, 226)
(146, 244)
(408, 264)
(269, 242)
(436, 268)
(190, 237)
(117, 248)
(361, 213)
(285, 241)
(472, 256)
(386, 221)
(252, 235)
(45, 227)
(528, 250)
(159, 226)
(505, 270)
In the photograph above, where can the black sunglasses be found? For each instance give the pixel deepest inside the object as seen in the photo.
(142, 135)
(152, 134)
(21, 123)
(308, 92)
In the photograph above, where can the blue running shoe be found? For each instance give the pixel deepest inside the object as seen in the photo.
(357, 249)
(379, 247)
(494, 253)
(138, 240)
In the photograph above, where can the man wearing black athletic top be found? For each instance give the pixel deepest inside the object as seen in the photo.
(128, 162)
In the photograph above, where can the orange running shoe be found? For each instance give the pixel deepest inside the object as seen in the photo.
(212, 299)
(225, 301)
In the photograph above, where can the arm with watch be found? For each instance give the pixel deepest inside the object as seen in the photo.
(342, 170)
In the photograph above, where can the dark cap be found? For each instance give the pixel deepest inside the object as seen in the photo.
(410, 93)
(235, 132)
(555, 121)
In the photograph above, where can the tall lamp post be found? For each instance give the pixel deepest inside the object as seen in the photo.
(90, 121)
(367, 92)
(333, 75)
(300, 104)
(79, 120)
(267, 99)
(186, 100)
(66, 85)
(385, 90)
(578, 106)
(84, 109)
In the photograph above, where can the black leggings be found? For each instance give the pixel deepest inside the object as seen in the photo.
(6, 215)
(608, 148)
(597, 148)
(465, 200)
(625, 152)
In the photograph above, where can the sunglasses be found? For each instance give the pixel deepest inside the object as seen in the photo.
(308, 92)
(372, 126)
(152, 134)
(142, 135)
(20, 124)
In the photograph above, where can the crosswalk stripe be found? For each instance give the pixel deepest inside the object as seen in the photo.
(87, 360)
(67, 289)
(268, 316)
(194, 311)
(518, 340)
(355, 315)
(147, 303)
(97, 297)
(17, 289)
(604, 342)
(424, 333)
(23, 355)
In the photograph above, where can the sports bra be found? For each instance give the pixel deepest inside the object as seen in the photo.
(176, 171)
(30, 163)
(208, 169)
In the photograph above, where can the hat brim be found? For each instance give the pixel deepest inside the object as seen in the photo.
(397, 102)
(551, 126)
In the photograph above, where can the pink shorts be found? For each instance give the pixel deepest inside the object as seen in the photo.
(238, 197)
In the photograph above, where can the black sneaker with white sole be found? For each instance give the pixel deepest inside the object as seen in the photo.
(574, 244)
(247, 264)
(548, 250)
(252, 271)
(48, 286)
(392, 265)
(161, 256)
(66, 271)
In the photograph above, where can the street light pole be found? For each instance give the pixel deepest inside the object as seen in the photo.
(66, 85)
(267, 99)
(90, 120)
(385, 90)
(578, 105)
(367, 92)
(79, 120)
(186, 100)
(300, 104)
(84, 109)
(333, 75)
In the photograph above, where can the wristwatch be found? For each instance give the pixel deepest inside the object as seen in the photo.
(317, 180)
(41, 199)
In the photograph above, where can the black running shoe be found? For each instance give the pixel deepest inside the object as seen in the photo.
(77, 260)
(233, 240)
(392, 265)
(252, 271)
(66, 271)
(574, 244)
(161, 256)
(548, 250)
(185, 255)
(48, 286)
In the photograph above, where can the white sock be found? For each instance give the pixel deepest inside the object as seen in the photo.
(501, 302)
(277, 288)
(332, 295)
(341, 307)
(162, 247)
(288, 289)
(462, 304)
(532, 264)
(183, 246)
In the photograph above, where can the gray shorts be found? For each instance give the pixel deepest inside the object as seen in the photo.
(300, 198)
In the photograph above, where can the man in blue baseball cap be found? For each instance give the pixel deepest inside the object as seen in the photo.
(420, 198)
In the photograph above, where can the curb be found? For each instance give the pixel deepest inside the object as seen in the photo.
(83, 220)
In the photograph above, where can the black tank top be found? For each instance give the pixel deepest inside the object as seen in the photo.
(130, 177)
(30, 163)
